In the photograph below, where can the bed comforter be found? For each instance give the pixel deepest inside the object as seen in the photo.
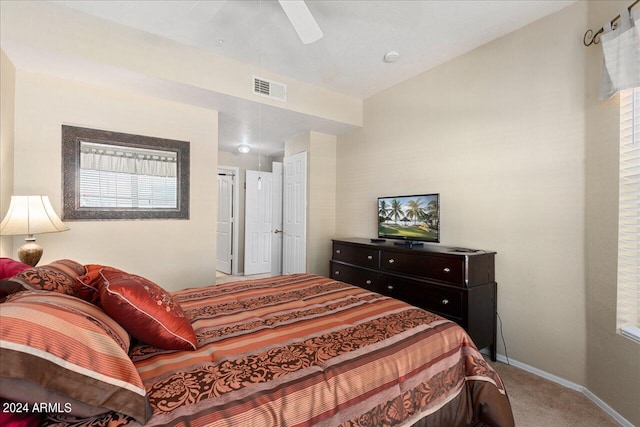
(305, 350)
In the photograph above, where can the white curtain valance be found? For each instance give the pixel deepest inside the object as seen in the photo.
(621, 49)
(139, 161)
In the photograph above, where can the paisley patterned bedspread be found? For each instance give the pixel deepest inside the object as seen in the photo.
(304, 350)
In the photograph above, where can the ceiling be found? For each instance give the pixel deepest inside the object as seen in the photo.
(349, 58)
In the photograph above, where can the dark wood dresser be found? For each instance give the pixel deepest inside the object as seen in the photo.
(456, 283)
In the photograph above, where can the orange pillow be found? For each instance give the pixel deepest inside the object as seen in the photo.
(145, 310)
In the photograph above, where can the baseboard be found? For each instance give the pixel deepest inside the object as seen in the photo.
(539, 372)
(569, 384)
(606, 408)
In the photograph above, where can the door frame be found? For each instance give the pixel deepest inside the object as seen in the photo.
(277, 169)
(235, 172)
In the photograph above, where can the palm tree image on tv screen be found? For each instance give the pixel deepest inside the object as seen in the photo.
(409, 217)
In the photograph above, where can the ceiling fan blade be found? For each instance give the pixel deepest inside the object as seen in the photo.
(204, 11)
(302, 20)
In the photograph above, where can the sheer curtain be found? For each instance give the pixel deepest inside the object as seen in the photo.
(621, 49)
(139, 161)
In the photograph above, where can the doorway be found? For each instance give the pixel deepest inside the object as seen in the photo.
(290, 201)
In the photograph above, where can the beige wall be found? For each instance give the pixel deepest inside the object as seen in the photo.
(510, 135)
(174, 253)
(7, 108)
(297, 144)
(499, 133)
(613, 362)
(321, 201)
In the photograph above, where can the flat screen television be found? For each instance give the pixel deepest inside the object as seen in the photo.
(410, 219)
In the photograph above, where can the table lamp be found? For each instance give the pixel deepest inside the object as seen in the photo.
(29, 215)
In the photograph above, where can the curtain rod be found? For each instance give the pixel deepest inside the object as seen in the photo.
(592, 38)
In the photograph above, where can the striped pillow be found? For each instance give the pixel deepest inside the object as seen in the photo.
(59, 344)
(58, 276)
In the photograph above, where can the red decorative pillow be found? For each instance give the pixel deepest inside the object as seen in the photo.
(58, 276)
(90, 282)
(145, 310)
(10, 267)
(14, 418)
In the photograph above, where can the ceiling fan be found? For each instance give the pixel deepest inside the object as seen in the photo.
(302, 20)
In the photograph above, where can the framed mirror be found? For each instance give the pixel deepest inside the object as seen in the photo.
(111, 176)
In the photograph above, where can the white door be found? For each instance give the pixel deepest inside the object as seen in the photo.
(257, 222)
(294, 222)
(224, 230)
(276, 238)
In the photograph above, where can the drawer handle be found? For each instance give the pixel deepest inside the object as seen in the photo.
(337, 251)
(390, 287)
(391, 261)
(368, 282)
(447, 270)
(445, 301)
(337, 272)
(369, 257)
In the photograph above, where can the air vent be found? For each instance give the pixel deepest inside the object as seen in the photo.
(269, 88)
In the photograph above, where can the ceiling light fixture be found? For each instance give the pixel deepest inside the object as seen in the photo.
(391, 56)
(243, 148)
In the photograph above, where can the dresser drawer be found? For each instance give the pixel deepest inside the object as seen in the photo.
(355, 276)
(456, 283)
(444, 301)
(362, 256)
(428, 267)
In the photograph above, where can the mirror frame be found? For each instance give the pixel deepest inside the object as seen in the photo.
(71, 210)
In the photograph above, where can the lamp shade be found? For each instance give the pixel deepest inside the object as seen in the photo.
(30, 215)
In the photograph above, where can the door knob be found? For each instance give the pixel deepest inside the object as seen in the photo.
(277, 231)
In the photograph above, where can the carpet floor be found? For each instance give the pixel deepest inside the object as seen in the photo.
(539, 402)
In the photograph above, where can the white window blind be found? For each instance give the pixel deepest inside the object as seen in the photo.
(629, 216)
(113, 176)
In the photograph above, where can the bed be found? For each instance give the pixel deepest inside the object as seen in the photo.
(294, 350)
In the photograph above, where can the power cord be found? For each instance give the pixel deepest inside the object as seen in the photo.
(495, 309)
(504, 343)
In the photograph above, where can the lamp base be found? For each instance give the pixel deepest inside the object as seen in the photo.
(31, 252)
